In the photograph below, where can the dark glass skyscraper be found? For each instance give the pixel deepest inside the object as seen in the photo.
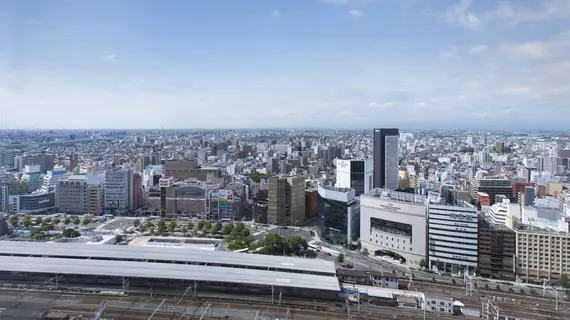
(386, 158)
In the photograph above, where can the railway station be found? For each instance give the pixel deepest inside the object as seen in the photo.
(150, 268)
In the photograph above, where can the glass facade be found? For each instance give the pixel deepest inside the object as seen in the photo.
(339, 220)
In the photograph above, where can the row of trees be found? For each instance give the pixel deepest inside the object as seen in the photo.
(204, 227)
(275, 244)
(27, 221)
(237, 236)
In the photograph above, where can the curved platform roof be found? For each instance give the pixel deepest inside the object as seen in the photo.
(168, 271)
(168, 254)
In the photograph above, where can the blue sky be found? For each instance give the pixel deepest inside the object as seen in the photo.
(289, 63)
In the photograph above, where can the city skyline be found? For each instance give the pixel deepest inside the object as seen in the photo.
(299, 64)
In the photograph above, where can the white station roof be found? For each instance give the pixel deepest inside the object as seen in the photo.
(167, 254)
(166, 271)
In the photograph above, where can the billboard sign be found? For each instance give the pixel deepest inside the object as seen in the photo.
(223, 204)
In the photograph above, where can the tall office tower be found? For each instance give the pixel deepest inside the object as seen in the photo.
(386, 158)
(117, 194)
(286, 201)
(339, 210)
(499, 147)
(4, 199)
(95, 204)
(355, 174)
(496, 246)
(452, 235)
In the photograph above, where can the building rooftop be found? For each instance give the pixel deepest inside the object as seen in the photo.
(170, 271)
(396, 196)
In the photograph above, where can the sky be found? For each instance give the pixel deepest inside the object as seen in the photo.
(346, 64)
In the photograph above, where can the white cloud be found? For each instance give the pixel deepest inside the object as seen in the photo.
(355, 13)
(540, 11)
(111, 58)
(450, 53)
(478, 49)
(275, 13)
(526, 50)
(460, 14)
(556, 45)
(507, 13)
(337, 1)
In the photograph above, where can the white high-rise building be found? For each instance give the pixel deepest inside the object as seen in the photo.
(452, 236)
(393, 223)
(355, 174)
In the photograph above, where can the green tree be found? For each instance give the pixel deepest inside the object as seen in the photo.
(171, 226)
(70, 233)
(86, 221)
(201, 224)
(39, 220)
(76, 221)
(345, 242)
(67, 220)
(499, 275)
(563, 281)
(194, 231)
(216, 217)
(47, 227)
(358, 245)
(14, 220)
(274, 244)
(297, 245)
(190, 225)
(160, 226)
(216, 228)
(260, 219)
(151, 229)
(56, 221)
(184, 230)
(255, 176)
(340, 257)
(143, 228)
(228, 228)
(422, 262)
(136, 223)
(244, 232)
(239, 226)
(455, 269)
(208, 226)
(48, 220)
(205, 230)
(27, 221)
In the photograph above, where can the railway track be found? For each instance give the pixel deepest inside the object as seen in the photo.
(135, 308)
